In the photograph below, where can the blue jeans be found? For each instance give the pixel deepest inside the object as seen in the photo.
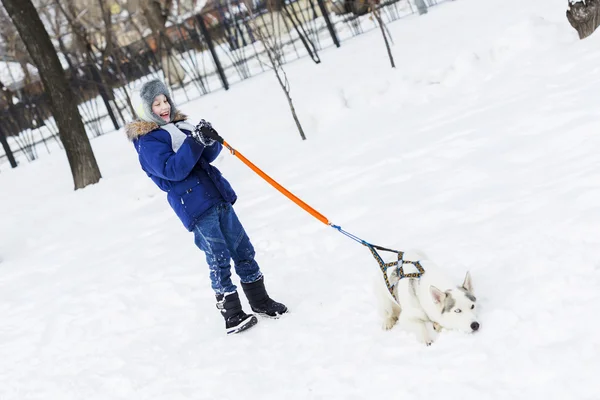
(220, 235)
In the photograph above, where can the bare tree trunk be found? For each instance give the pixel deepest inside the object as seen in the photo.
(283, 82)
(156, 17)
(81, 36)
(7, 150)
(107, 54)
(62, 101)
(584, 16)
(274, 52)
(6, 94)
(384, 32)
(26, 73)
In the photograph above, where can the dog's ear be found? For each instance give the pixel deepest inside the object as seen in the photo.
(468, 283)
(437, 295)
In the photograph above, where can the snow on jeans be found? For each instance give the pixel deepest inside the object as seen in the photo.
(220, 235)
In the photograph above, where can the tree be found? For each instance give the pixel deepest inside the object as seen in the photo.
(384, 31)
(584, 16)
(7, 150)
(62, 101)
(156, 13)
(274, 52)
(83, 42)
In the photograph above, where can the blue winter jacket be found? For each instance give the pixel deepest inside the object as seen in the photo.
(181, 167)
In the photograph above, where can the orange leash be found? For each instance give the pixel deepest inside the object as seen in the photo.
(277, 186)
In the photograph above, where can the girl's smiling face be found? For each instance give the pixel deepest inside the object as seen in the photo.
(162, 108)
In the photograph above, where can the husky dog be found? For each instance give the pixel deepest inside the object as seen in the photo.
(428, 303)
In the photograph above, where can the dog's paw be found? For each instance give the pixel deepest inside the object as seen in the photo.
(425, 339)
(389, 323)
(437, 327)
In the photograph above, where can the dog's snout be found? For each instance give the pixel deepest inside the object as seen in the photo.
(475, 326)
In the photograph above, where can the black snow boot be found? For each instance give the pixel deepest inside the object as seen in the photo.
(236, 320)
(259, 300)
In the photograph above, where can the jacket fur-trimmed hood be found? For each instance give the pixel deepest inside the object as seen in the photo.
(138, 128)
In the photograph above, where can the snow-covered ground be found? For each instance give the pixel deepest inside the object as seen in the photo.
(481, 149)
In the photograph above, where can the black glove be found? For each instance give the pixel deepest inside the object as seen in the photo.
(206, 134)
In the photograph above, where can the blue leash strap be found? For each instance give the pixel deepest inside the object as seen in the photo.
(351, 236)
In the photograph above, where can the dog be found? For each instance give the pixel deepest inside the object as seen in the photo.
(429, 303)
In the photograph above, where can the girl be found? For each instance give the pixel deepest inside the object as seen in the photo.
(177, 156)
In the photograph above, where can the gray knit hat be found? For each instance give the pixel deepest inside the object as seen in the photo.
(144, 97)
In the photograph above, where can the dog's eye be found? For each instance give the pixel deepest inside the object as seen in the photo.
(458, 311)
(473, 306)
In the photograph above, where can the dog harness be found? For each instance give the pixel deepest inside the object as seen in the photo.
(399, 264)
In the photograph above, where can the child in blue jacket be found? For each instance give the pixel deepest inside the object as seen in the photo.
(177, 156)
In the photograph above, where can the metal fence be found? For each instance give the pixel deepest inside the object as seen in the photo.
(206, 52)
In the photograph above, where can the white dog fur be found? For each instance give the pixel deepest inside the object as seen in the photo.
(429, 303)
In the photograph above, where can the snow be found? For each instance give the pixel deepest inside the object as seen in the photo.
(12, 72)
(480, 149)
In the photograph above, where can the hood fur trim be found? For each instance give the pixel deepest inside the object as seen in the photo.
(138, 128)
